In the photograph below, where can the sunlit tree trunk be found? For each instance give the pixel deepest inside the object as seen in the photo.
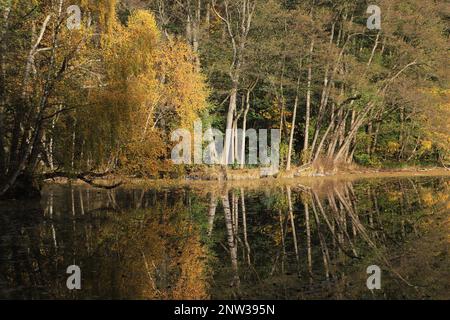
(308, 238)
(238, 26)
(244, 123)
(231, 241)
(212, 212)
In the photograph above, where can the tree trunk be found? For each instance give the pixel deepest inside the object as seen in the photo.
(244, 128)
(3, 48)
(231, 240)
(294, 230)
(308, 101)
(229, 129)
(294, 121)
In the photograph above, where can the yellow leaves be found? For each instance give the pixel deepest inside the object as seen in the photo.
(160, 77)
(436, 119)
(431, 198)
(437, 91)
(394, 196)
(392, 147)
(427, 198)
(184, 88)
(152, 86)
(133, 50)
(103, 10)
(426, 145)
(192, 284)
(142, 41)
(141, 154)
(149, 247)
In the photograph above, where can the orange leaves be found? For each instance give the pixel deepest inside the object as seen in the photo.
(192, 284)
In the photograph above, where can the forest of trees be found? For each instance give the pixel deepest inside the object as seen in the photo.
(106, 96)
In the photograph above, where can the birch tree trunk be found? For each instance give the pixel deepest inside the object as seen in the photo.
(238, 25)
(244, 128)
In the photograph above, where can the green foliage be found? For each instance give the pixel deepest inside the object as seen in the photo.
(367, 160)
(108, 95)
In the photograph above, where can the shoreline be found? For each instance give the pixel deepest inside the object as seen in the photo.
(246, 178)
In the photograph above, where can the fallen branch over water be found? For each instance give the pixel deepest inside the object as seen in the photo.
(87, 177)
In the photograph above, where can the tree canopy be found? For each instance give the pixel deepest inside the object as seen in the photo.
(107, 95)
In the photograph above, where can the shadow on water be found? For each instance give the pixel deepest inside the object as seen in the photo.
(265, 242)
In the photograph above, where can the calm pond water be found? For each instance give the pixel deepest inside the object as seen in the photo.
(270, 241)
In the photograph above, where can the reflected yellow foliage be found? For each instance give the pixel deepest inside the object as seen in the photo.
(192, 283)
(394, 196)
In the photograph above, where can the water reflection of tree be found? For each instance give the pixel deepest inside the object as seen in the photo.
(321, 240)
(281, 241)
(130, 244)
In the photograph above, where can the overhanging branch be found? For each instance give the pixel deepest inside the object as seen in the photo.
(87, 177)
